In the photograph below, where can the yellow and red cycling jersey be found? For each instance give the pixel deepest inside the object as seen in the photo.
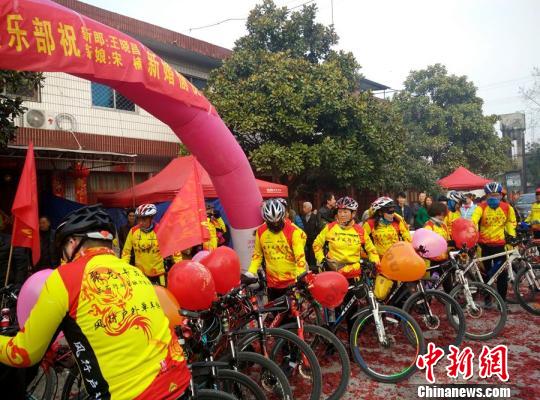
(282, 252)
(345, 246)
(111, 317)
(534, 216)
(385, 235)
(449, 219)
(212, 243)
(146, 248)
(441, 229)
(493, 223)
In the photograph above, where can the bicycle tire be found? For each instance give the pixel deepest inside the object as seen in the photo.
(282, 337)
(279, 384)
(451, 308)
(338, 348)
(411, 330)
(511, 297)
(232, 382)
(472, 314)
(47, 388)
(74, 378)
(210, 394)
(525, 301)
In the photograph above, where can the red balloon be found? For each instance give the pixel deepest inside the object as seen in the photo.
(329, 288)
(224, 265)
(192, 285)
(464, 232)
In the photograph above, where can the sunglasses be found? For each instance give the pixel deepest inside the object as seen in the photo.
(389, 210)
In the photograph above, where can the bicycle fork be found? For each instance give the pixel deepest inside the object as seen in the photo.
(379, 326)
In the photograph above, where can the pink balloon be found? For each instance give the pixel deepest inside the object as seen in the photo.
(29, 294)
(200, 255)
(433, 244)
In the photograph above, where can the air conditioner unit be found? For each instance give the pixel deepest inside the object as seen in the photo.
(40, 119)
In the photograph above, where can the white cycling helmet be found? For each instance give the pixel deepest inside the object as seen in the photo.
(456, 196)
(347, 203)
(382, 202)
(146, 210)
(273, 211)
(493, 187)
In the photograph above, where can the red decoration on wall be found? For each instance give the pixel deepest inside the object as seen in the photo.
(58, 185)
(80, 173)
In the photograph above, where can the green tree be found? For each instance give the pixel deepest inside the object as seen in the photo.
(11, 107)
(446, 126)
(291, 102)
(533, 164)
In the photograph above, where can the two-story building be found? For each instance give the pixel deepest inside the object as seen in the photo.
(87, 132)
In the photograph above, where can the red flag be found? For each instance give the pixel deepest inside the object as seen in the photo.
(25, 208)
(184, 224)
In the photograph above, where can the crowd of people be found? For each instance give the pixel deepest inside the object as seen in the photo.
(337, 236)
(100, 299)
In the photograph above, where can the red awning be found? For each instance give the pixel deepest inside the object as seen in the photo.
(463, 179)
(166, 184)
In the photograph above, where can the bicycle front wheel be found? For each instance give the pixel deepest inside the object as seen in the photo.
(527, 288)
(296, 359)
(229, 381)
(439, 316)
(208, 394)
(43, 386)
(333, 358)
(485, 310)
(393, 358)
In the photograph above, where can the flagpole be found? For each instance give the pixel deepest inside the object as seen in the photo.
(9, 265)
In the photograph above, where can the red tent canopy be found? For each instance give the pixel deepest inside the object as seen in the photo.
(166, 184)
(463, 179)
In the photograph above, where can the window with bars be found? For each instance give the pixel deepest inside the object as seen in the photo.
(104, 96)
(25, 92)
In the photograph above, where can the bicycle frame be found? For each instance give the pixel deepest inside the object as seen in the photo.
(511, 256)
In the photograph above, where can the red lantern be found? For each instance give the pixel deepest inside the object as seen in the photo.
(58, 185)
(224, 265)
(80, 173)
(464, 233)
(192, 285)
(329, 288)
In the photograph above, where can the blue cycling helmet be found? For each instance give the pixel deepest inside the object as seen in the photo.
(493, 187)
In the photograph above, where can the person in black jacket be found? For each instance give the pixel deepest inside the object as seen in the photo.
(327, 213)
(312, 227)
(403, 209)
(48, 256)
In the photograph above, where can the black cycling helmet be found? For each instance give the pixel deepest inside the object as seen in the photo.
(89, 222)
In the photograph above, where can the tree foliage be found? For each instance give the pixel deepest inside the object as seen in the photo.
(11, 107)
(446, 126)
(291, 101)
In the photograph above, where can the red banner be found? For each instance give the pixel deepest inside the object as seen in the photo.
(62, 40)
(183, 225)
(25, 208)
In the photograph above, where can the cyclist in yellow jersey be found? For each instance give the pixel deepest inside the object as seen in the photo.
(455, 199)
(347, 244)
(346, 240)
(534, 217)
(110, 316)
(280, 244)
(437, 213)
(385, 226)
(143, 240)
(496, 220)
